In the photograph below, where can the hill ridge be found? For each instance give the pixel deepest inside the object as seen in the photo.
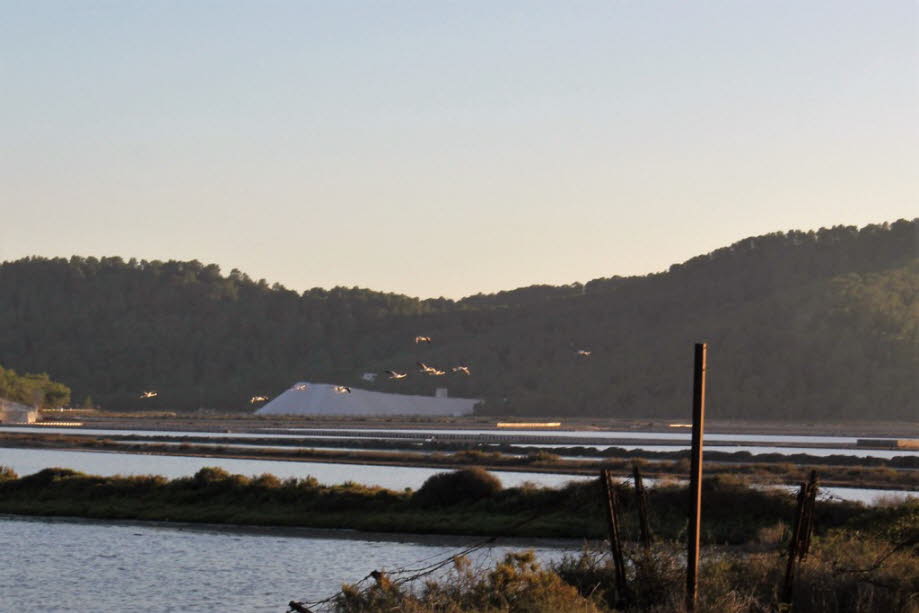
(838, 300)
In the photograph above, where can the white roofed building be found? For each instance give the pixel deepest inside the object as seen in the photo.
(15, 413)
(306, 398)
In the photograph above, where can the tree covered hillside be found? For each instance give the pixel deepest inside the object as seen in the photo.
(802, 325)
(32, 389)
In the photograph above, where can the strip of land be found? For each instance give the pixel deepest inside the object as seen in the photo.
(473, 505)
(844, 471)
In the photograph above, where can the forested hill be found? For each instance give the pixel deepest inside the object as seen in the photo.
(802, 325)
(32, 389)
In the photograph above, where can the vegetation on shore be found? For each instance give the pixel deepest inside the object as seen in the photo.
(734, 511)
(861, 564)
(864, 563)
(803, 325)
(847, 571)
(32, 389)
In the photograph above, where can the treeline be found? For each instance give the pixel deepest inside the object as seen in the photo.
(32, 389)
(802, 325)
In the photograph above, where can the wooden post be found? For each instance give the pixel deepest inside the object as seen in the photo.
(695, 475)
(794, 545)
(810, 503)
(642, 496)
(615, 542)
(802, 527)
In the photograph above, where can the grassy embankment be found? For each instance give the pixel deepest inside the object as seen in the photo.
(864, 572)
(840, 470)
(734, 512)
(860, 561)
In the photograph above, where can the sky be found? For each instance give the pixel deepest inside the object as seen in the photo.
(449, 148)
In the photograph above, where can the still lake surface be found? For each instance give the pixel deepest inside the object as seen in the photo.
(28, 461)
(92, 567)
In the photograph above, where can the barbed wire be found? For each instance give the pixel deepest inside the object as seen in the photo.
(423, 571)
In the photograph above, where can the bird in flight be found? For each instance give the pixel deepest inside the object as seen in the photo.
(462, 369)
(342, 389)
(255, 399)
(396, 375)
(430, 370)
(584, 353)
(301, 387)
(150, 394)
(422, 339)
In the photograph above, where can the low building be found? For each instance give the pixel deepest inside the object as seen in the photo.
(887, 443)
(15, 413)
(306, 398)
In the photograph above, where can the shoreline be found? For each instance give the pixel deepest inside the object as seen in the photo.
(351, 534)
(735, 511)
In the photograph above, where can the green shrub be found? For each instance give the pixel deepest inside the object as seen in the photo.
(542, 456)
(466, 485)
(516, 585)
(267, 481)
(210, 474)
(49, 475)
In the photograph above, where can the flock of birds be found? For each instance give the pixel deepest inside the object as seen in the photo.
(393, 374)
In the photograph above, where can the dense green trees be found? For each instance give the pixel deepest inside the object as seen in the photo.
(802, 325)
(32, 389)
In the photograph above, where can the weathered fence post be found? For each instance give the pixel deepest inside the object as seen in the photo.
(793, 544)
(809, 516)
(802, 527)
(695, 475)
(642, 496)
(615, 540)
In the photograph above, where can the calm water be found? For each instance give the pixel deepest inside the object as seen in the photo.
(92, 567)
(28, 461)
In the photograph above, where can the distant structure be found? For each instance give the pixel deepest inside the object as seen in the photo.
(15, 413)
(305, 398)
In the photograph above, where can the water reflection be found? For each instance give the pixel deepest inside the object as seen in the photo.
(28, 461)
(159, 568)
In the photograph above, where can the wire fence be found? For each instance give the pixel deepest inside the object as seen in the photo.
(419, 569)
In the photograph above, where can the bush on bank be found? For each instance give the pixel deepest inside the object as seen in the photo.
(463, 502)
(460, 486)
(845, 572)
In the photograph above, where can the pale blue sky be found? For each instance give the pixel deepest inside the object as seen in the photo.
(446, 148)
